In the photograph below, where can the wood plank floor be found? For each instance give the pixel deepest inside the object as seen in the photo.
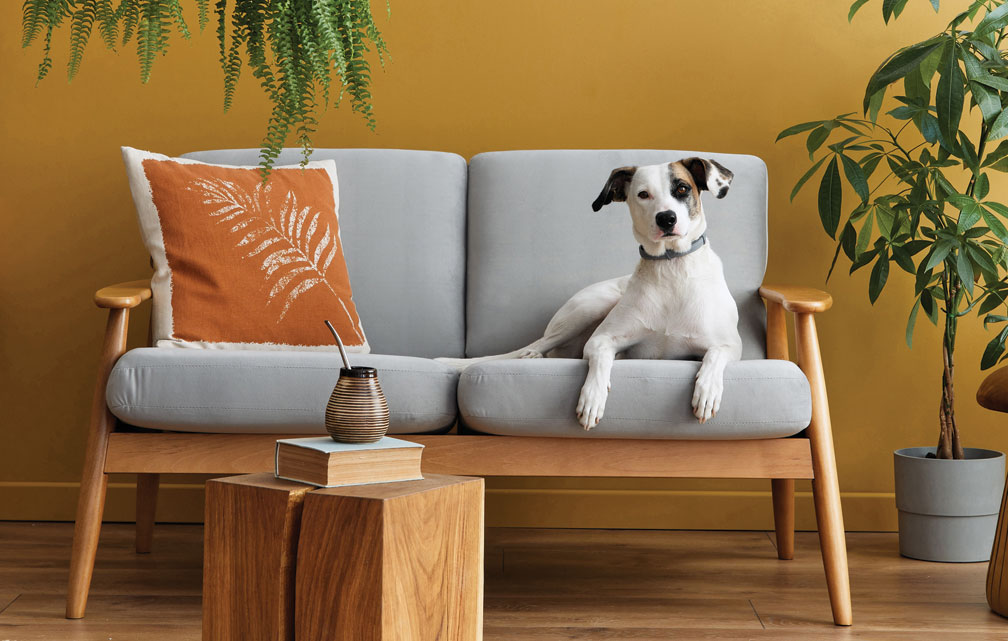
(541, 585)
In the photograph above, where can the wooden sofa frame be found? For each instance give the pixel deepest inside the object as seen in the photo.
(782, 460)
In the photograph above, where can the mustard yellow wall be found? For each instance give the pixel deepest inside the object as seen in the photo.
(468, 76)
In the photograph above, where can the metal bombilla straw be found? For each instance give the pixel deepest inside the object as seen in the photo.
(339, 342)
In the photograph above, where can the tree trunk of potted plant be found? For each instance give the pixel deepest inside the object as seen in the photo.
(953, 240)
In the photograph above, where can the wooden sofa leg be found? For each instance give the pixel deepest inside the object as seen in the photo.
(146, 507)
(94, 481)
(783, 514)
(825, 486)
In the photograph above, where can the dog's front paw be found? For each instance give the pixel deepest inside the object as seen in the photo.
(591, 404)
(707, 397)
(530, 353)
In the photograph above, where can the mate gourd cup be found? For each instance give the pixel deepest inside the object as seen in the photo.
(357, 411)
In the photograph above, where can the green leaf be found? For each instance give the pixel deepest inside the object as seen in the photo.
(965, 271)
(929, 67)
(1001, 151)
(911, 322)
(994, 20)
(968, 217)
(830, 198)
(848, 240)
(864, 235)
(846, 243)
(995, 348)
(887, 9)
(797, 129)
(902, 258)
(878, 278)
(863, 260)
(898, 65)
(949, 95)
(875, 103)
(988, 52)
(808, 174)
(854, 8)
(928, 305)
(995, 82)
(938, 254)
(1002, 210)
(816, 139)
(929, 129)
(996, 226)
(987, 100)
(1000, 127)
(934, 3)
(992, 301)
(982, 259)
(982, 186)
(968, 153)
(855, 176)
(869, 163)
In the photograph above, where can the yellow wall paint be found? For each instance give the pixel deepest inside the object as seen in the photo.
(469, 76)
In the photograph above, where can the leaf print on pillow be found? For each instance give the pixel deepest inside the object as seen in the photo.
(292, 245)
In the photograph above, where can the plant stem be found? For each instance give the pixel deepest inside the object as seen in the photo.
(949, 445)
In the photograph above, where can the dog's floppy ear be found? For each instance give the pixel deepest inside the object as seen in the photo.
(615, 187)
(709, 174)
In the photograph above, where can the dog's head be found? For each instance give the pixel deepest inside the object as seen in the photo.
(664, 200)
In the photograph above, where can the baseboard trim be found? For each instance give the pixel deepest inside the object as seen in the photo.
(526, 507)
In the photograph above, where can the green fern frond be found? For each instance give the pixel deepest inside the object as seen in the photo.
(129, 13)
(108, 23)
(175, 9)
(293, 47)
(80, 32)
(203, 6)
(33, 20)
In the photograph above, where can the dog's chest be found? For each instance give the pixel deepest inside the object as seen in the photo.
(686, 306)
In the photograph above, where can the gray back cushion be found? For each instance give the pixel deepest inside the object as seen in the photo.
(402, 221)
(534, 240)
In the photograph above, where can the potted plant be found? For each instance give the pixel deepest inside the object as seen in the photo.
(292, 48)
(922, 203)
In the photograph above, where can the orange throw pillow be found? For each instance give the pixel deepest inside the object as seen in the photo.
(243, 264)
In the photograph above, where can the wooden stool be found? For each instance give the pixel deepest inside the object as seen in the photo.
(379, 562)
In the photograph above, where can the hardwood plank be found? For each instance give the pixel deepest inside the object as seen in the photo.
(484, 456)
(548, 585)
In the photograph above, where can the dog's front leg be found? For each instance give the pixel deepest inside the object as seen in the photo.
(710, 380)
(599, 351)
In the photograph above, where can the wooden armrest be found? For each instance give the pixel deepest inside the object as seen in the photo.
(797, 299)
(123, 295)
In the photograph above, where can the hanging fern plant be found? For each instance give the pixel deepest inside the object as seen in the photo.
(291, 46)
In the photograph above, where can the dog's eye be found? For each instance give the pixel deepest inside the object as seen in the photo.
(681, 190)
(643, 195)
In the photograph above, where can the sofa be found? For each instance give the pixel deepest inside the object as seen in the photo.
(449, 258)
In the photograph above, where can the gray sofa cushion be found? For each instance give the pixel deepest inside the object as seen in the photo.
(194, 390)
(649, 399)
(402, 222)
(534, 240)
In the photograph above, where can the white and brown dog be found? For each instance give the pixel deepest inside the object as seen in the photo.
(676, 304)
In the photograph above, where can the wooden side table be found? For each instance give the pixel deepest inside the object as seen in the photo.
(380, 562)
(993, 394)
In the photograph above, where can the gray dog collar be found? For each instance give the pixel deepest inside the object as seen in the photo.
(670, 254)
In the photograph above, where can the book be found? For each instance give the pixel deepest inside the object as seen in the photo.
(326, 463)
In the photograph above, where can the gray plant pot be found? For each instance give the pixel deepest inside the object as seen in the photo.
(948, 509)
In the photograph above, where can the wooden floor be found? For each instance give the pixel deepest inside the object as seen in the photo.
(540, 585)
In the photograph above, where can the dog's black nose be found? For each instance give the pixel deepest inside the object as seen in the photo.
(665, 219)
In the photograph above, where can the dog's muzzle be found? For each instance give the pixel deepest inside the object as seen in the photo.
(665, 220)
